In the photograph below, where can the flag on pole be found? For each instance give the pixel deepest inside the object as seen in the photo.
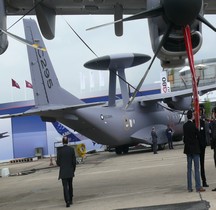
(28, 84)
(15, 84)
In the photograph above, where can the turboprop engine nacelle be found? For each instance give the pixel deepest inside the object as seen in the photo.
(3, 19)
(179, 103)
(173, 52)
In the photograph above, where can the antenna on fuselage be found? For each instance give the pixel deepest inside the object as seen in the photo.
(116, 64)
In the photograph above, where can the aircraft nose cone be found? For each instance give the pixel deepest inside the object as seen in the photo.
(181, 12)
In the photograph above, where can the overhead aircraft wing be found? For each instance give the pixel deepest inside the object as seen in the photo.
(65, 7)
(46, 11)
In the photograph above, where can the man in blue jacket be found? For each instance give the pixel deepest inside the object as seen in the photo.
(66, 160)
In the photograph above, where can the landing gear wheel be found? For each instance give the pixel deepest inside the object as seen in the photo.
(118, 150)
(125, 149)
(161, 146)
(121, 149)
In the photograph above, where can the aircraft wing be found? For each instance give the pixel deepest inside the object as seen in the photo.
(100, 7)
(176, 97)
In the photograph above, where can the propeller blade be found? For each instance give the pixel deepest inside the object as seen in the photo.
(183, 81)
(169, 28)
(188, 44)
(141, 15)
(206, 22)
(105, 24)
(181, 117)
(28, 12)
(80, 37)
(24, 41)
(146, 14)
(198, 80)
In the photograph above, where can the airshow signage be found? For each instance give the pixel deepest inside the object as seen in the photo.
(165, 85)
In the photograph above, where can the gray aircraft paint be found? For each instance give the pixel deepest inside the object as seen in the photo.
(109, 125)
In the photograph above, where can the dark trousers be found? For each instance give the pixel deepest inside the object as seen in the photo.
(68, 189)
(202, 164)
(170, 143)
(154, 147)
(215, 156)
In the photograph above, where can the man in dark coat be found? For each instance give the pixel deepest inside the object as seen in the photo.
(192, 150)
(203, 144)
(66, 160)
(169, 133)
(154, 140)
(213, 135)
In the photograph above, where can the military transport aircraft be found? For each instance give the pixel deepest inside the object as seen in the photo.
(174, 25)
(105, 123)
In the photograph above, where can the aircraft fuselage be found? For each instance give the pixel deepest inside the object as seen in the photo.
(114, 126)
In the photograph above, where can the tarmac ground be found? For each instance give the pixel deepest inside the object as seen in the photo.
(105, 181)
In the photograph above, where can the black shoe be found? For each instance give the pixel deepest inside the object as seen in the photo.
(201, 190)
(205, 185)
(191, 190)
(67, 205)
(214, 189)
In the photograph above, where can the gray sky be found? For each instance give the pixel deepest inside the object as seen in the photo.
(68, 54)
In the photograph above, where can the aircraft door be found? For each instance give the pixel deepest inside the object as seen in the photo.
(128, 123)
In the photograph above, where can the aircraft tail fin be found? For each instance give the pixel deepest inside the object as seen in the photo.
(46, 87)
(62, 130)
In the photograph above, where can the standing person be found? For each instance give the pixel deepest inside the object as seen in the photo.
(169, 132)
(66, 160)
(203, 144)
(213, 136)
(154, 140)
(192, 150)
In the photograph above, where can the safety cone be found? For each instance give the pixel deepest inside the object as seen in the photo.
(51, 161)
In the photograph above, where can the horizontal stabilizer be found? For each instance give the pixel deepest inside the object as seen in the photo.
(50, 108)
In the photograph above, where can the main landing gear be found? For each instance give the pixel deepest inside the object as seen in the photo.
(121, 150)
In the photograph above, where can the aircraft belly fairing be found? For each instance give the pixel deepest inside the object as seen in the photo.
(144, 134)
